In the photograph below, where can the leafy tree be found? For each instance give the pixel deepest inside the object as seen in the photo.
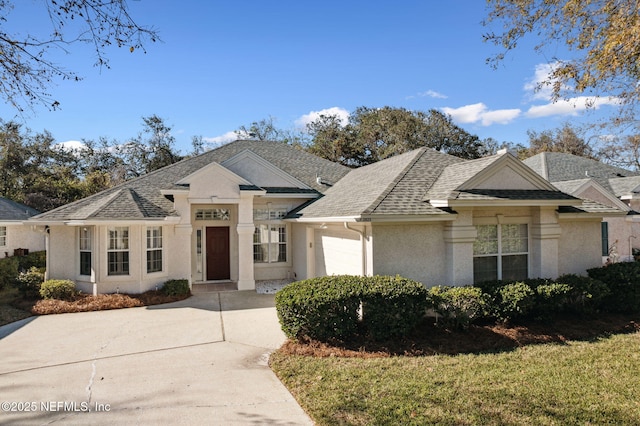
(151, 150)
(374, 134)
(266, 130)
(26, 68)
(602, 36)
(564, 139)
(622, 151)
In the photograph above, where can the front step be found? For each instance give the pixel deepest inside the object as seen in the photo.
(213, 287)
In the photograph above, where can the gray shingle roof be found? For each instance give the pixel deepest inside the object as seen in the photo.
(11, 210)
(558, 167)
(455, 175)
(141, 198)
(625, 185)
(395, 186)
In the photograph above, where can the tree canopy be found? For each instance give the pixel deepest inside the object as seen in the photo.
(373, 134)
(26, 69)
(602, 36)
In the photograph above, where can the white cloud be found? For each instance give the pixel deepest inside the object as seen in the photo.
(73, 145)
(222, 139)
(342, 114)
(500, 116)
(479, 112)
(540, 85)
(432, 94)
(571, 106)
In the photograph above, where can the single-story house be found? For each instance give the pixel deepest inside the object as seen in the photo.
(253, 210)
(15, 235)
(608, 185)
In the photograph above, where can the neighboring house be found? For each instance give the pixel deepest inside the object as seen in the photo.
(253, 210)
(14, 233)
(608, 185)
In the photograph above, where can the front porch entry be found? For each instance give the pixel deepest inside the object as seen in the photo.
(218, 258)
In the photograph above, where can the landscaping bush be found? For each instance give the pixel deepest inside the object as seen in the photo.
(58, 289)
(29, 282)
(514, 300)
(35, 258)
(457, 307)
(321, 308)
(8, 272)
(391, 306)
(176, 288)
(586, 293)
(551, 299)
(623, 280)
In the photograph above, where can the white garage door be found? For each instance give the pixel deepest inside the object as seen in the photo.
(338, 252)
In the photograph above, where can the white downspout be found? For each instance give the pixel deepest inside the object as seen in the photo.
(363, 240)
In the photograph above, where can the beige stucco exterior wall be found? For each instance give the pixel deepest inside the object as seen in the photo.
(579, 246)
(337, 251)
(22, 236)
(61, 254)
(415, 251)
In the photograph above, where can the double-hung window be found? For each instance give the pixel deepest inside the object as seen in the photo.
(501, 252)
(154, 249)
(85, 251)
(118, 251)
(270, 235)
(3, 236)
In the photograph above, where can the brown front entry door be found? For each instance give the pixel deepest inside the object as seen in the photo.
(218, 253)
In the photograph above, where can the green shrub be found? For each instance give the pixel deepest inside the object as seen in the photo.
(321, 308)
(391, 306)
(35, 258)
(623, 280)
(58, 289)
(515, 300)
(176, 288)
(458, 307)
(586, 293)
(8, 272)
(551, 299)
(29, 282)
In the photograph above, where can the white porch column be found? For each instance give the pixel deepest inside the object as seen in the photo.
(245, 228)
(545, 233)
(459, 237)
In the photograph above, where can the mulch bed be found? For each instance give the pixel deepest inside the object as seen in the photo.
(101, 302)
(430, 339)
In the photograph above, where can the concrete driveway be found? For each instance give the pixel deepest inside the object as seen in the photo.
(199, 361)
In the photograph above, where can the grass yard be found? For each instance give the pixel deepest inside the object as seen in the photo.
(586, 382)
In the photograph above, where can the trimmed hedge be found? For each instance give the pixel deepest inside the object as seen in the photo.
(321, 308)
(623, 280)
(391, 306)
(176, 288)
(458, 307)
(8, 272)
(29, 282)
(328, 308)
(58, 289)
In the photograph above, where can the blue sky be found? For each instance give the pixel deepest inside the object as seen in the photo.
(223, 64)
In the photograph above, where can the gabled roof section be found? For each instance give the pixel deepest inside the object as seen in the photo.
(261, 172)
(147, 198)
(591, 190)
(499, 177)
(627, 187)
(558, 167)
(11, 210)
(394, 186)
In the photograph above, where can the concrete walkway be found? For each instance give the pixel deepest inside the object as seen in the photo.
(199, 361)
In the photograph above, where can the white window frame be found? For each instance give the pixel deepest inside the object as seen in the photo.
(118, 243)
(500, 253)
(154, 245)
(85, 245)
(270, 231)
(3, 236)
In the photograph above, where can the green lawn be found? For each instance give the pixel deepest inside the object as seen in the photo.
(585, 383)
